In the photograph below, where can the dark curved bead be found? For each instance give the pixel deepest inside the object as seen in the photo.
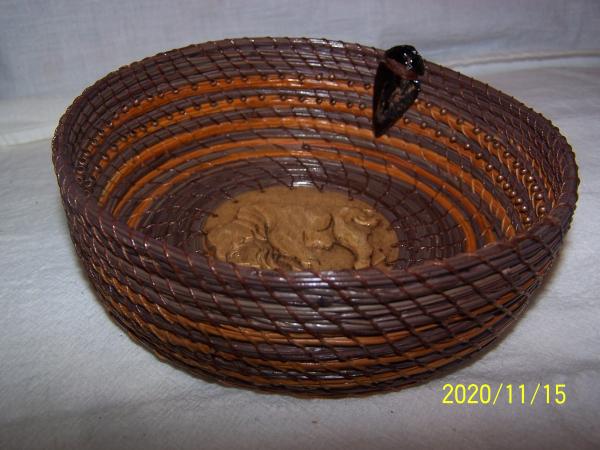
(396, 86)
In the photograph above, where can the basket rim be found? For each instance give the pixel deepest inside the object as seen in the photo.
(559, 217)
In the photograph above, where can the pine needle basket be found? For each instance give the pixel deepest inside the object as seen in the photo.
(479, 188)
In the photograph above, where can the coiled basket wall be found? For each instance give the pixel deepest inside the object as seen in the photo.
(479, 188)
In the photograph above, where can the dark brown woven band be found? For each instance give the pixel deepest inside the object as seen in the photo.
(479, 188)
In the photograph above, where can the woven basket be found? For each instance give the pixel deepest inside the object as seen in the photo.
(479, 188)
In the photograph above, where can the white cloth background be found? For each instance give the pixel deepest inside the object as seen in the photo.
(70, 378)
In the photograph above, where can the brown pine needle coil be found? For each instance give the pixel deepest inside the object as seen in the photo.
(479, 188)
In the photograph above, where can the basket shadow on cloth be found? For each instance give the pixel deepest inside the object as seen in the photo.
(479, 188)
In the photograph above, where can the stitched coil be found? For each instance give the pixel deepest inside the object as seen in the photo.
(479, 189)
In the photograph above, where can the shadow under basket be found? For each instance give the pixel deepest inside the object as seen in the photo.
(479, 188)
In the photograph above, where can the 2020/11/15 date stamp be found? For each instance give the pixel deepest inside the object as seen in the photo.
(520, 394)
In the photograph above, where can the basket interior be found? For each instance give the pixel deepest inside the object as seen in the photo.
(162, 142)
